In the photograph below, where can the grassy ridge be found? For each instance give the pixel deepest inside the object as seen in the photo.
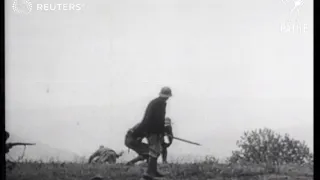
(194, 171)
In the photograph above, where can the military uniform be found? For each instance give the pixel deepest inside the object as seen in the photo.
(168, 133)
(152, 126)
(135, 143)
(103, 155)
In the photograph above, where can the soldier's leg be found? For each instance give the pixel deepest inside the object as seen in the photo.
(141, 157)
(139, 147)
(154, 152)
(164, 155)
(135, 160)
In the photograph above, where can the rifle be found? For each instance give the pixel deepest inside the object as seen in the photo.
(190, 142)
(11, 145)
(20, 144)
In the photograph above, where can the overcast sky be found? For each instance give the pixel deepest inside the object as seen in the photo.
(78, 79)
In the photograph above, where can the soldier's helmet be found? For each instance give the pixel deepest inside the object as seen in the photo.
(165, 92)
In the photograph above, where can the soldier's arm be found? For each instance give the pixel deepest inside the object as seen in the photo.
(95, 154)
(10, 145)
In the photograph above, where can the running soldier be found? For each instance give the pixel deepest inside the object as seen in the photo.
(142, 149)
(152, 126)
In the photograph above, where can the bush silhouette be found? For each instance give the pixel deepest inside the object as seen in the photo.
(267, 146)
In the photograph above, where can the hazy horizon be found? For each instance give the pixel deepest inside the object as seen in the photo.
(78, 79)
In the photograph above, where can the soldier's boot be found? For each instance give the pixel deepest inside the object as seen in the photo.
(152, 169)
(158, 174)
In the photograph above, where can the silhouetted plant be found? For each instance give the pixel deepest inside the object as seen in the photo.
(267, 146)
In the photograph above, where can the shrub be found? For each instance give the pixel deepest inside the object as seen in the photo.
(267, 146)
(211, 160)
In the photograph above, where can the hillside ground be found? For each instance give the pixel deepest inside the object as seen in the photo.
(192, 171)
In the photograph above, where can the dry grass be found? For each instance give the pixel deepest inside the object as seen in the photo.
(193, 171)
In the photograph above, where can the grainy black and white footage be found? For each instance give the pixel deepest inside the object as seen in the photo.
(159, 89)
